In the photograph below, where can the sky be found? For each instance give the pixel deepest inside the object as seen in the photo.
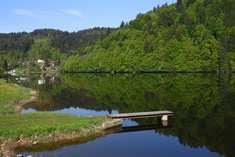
(70, 15)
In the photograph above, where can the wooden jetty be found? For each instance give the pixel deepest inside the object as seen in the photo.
(117, 122)
(164, 114)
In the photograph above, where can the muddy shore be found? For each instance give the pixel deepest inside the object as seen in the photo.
(18, 106)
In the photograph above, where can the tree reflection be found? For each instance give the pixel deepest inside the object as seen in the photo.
(203, 104)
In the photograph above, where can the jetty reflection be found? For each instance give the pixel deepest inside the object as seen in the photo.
(144, 128)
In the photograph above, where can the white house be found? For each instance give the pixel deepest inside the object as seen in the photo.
(13, 72)
(40, 61)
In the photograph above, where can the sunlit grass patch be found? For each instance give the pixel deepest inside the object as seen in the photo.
(40, 124)
(10, 94)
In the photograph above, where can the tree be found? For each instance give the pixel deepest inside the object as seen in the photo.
(180, 6)
(188, 2)
(229, 12)
(5, 65)
(154, 8)
(122, 25)
(148, 21)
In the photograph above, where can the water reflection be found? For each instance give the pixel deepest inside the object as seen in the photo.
(203, 106)
(146, 143)
(55, 95)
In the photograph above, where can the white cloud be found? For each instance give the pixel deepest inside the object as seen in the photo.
(73, 12)
(25, 13)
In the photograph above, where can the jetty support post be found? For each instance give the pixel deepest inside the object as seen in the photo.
(165, 120)
(164, 117)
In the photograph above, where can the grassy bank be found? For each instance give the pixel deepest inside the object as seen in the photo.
(9, 95)
(40, 127)
(46, 127)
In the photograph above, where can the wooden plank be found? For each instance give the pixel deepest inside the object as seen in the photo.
(141, 114)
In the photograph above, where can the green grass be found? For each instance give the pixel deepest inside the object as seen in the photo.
(45, 124)
(40, 126)
(10, 94)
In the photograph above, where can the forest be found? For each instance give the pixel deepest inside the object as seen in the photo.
(22, 49)
(188, 36)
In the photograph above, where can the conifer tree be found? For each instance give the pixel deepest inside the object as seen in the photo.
(180, 6)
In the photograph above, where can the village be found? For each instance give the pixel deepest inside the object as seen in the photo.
(47, 70)
(36, 67)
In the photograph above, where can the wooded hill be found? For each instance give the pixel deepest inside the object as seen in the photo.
(18, 49)
(189, 36)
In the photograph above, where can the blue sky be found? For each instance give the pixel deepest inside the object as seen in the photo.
(70, 15)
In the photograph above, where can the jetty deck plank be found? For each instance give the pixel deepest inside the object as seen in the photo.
(141, 114)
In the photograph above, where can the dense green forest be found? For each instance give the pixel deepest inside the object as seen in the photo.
(21, 49)
(188, 36)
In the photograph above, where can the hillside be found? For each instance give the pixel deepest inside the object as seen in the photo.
(19, 49)
(189, 36)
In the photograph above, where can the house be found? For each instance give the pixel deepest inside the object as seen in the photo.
(40, 61)
(41, 81)
(51, 63)
(13, 72)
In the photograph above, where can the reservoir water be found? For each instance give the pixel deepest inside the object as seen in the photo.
(203, 123)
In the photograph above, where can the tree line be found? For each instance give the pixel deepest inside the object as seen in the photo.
(17, 49)
(188, 36)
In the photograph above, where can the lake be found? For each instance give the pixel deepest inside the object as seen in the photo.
(203, 123)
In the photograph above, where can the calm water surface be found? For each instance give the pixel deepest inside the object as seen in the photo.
(203, 123)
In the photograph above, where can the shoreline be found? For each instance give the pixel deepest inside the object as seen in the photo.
(55, 139)
(18, 106)
(59, 139)
(8, 150)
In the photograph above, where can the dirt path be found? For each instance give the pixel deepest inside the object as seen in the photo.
(19, 105)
